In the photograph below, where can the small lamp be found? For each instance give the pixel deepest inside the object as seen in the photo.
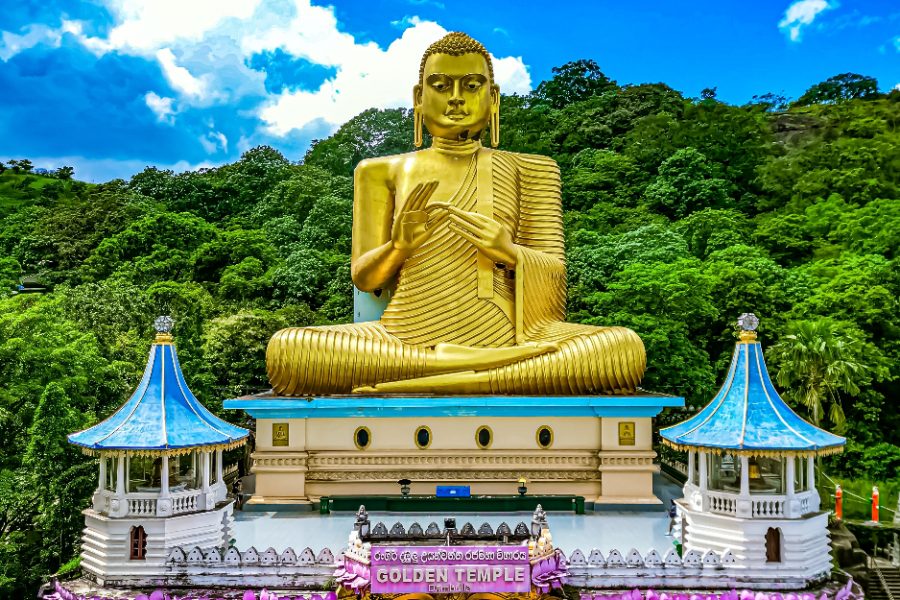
(522, 489)
(404, 486)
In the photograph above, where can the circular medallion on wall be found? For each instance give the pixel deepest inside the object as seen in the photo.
(544, 436)
(422, 437)
(362, 437)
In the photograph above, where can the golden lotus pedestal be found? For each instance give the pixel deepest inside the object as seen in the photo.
(598, 447)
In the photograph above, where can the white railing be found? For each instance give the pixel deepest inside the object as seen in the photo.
(768, 506)
(722, 502)
(146, 504)
(141, 505)
(186, 501)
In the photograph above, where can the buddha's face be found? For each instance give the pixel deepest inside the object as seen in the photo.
(456, 96)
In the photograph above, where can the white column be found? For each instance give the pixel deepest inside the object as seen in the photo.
(164, 477)
(704, 480)
(102, 485)
(745, 476)
(219, 467)
(120, 476)
(744, 503)
(704, 475)
(815, 500)
(205, 482)
(811, 472)
(691, 467)
(789, 473)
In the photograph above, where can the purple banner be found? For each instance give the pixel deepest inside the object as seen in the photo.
(450, 569)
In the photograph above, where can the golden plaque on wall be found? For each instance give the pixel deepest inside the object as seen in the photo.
(626, 433)
(280, 435)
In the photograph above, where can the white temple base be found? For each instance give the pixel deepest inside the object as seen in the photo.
(106, 543)
(804, 543)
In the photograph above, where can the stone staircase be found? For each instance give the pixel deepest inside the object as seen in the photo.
(885, 585)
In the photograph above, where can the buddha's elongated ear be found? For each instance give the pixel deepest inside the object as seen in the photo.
(495, 115)
(417, 116)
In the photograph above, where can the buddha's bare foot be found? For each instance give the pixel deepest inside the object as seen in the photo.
(455, 357)
(365, 389)
(460, 382)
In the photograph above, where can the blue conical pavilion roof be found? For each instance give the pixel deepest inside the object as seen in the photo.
(162, 415)
(747, 416)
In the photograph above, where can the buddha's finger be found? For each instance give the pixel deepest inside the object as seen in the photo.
(466, 235)
(411, 198)
(424, 194)
(473, 236)
(472, 228)
(472, 217)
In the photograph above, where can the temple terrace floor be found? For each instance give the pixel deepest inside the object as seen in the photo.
(605, 530)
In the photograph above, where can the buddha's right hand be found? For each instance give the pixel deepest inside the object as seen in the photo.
(415, 223)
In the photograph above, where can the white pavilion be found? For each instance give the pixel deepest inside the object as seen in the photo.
(751, 474)
(161, 479)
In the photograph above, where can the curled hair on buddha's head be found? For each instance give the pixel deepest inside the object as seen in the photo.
(456, 43)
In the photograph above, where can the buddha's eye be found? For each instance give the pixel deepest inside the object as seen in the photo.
(473, 82)
(439, 83)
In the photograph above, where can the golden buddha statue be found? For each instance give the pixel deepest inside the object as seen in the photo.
(470, 240)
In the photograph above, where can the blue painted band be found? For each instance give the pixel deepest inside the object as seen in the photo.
(338, 407)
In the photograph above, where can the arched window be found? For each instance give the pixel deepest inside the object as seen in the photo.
(773, 545)
(138, 543)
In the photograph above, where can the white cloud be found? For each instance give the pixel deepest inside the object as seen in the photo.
(213, 141)
(897, 43)
(801, 14)
(147, 26)
(203, 49)
(179, 77)
(13, 43)
(367, 76)
(162, 107)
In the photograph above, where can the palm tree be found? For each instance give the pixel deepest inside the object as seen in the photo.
(816, 360)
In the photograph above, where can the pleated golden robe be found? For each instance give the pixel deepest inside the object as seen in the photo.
(448, 293)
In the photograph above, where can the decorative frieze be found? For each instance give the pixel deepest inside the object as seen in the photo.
(452, 475)
(453, 460)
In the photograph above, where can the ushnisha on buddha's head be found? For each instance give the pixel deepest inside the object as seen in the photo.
(456, 97)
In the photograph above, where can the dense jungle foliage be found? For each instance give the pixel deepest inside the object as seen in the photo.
(681, 214)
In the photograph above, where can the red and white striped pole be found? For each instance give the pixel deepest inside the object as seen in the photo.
(838, 503)
(874, 503)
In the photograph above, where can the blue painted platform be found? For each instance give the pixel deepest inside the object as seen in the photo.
(268, 406)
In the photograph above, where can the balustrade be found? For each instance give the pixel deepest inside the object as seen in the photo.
(144, 504)
(768, 507)
(723, 503)
(761, 506)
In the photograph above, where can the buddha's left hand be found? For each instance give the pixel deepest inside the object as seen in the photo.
(489, 236)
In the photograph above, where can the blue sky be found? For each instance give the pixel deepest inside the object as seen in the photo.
(111, 86)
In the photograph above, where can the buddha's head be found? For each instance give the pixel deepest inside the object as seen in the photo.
(456, 97)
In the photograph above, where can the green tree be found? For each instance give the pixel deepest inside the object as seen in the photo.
(60, 477)
(688, 182)
(371, 133)
(10, 275)
(572, 82)
(816, 361)
(840, 88)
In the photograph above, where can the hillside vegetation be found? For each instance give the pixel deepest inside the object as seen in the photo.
(681, 214)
